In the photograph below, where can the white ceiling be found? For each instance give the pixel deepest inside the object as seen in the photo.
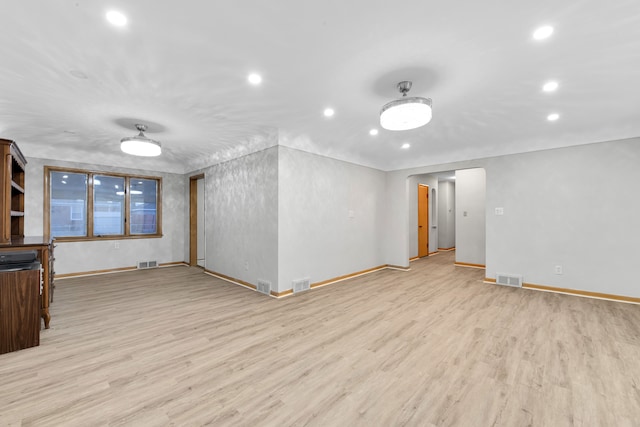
(181, 68)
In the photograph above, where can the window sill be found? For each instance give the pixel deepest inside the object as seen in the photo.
(100, 238)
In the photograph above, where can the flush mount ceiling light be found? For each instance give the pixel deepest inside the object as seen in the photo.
(407, 112)
(140, 145)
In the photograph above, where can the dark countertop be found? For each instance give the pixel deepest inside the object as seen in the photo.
(18, 242)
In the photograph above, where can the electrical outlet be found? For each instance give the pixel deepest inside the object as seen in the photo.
(558, 269)
(116, 245)
(246, 265)
(499, 211)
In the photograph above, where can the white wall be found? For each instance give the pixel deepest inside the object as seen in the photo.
(576, 207)
(242, 217)
(446, 214)
(432, 182)
(75, 257)
(470, 216)
(286, 213)
(318, 238)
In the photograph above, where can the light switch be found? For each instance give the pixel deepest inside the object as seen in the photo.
(499, 211)
(464, 213)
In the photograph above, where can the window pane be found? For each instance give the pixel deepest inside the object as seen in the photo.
(108, 205)
(144, 199)
(68, 209)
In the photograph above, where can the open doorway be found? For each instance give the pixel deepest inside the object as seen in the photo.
(447, 211)
(423, 229)
(456, 214)
(196, 221)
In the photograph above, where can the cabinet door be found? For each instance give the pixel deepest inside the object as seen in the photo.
(19, 310)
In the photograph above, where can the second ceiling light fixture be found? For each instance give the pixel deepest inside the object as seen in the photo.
(407, 112)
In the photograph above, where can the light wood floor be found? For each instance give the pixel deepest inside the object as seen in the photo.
(432, 346)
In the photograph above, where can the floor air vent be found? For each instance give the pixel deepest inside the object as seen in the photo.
(514, 280)
(301, 285)
(147, 264)
(264, 287)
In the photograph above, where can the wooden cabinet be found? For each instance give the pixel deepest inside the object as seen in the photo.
(19, 310)
(44, 248)
(12, 191)
(12, 170)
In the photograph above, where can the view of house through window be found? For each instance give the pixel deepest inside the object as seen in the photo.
(108, 205)
(143, 205)
(68, 204)
(90, 205)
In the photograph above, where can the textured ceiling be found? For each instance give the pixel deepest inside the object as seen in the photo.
(72, 85)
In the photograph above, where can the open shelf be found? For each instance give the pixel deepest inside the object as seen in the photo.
(17, 187)
(12, 178)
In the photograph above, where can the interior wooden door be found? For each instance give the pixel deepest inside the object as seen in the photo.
(423, 220)
(193, 219)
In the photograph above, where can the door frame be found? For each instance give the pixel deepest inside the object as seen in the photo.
(425, 209)
(193, 219)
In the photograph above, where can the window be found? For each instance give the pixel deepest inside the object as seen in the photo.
(108, 205)
(68, 204)
(143, 206)
(84, 205)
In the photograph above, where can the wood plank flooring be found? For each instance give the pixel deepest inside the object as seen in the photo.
(433, 346)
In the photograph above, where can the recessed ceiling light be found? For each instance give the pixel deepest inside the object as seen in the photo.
(373, 132)
(553, 117)
(116, 18)
(543, 32)
(550, 86)
(328, 112)
(65, 176)
(406, 145)
(254, 78)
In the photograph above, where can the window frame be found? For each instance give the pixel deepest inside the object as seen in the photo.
(90, 205)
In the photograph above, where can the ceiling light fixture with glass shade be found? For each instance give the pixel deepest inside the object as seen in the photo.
(407, 112)
(140, 145)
